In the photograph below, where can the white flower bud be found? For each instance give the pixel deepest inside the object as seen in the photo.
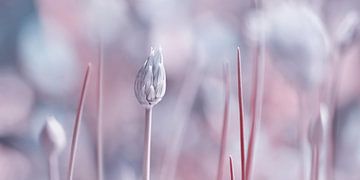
(53, 136)
(150, 82)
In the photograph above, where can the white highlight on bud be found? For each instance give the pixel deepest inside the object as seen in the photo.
(53, 136)
(150, 82)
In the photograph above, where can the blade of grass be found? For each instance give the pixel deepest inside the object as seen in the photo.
(241, 114)
(225, 122)
(256, 108)
(315, 163)
(77, 123)
(99, 154)
(232, 174)
(53, 161)
(182, 109)
(332, 101)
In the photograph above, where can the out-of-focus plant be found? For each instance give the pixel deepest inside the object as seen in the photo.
(53, 140)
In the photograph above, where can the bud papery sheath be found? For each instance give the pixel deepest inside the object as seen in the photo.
(150, 82)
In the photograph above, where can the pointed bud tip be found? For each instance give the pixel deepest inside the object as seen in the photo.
(53, 135)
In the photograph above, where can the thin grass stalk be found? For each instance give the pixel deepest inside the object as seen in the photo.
(232, 174)
(315, 163)
(335, 84)
(224, 131)
(77, 123)
(256, 108)
(99, 152)
(183, 106)
(54, 173)
(302, 127)
(147, 143)
(241, 114)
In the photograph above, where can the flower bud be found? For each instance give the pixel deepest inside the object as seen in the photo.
(53, 136)
(150, 82)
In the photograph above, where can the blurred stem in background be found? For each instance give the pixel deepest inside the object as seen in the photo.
(54, 167)
(256, 106)
(182, 108)
(225, 125)
(99, 154)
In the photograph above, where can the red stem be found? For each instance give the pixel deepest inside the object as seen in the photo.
(225, 123)
(232, 174)
(77, 123)
(241, 114)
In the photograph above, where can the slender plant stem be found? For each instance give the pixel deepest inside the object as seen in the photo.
(147, 144)
(241, 114)
(225, 123)
(182, 108)
(77, 123)
(232, 174)
(54, 167)
(256, 108)
(302, 126)
(335, 85)
(315, 163)
(99, 133)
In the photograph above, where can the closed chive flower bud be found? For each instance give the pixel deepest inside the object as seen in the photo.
(150, 82)
(53, 136)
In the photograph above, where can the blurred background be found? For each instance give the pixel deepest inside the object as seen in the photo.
(45, 46)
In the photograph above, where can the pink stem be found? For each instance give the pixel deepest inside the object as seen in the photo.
(241, 114)
(225, 123)
(232, 174)
(315, 164)
(256, 105)
(99, 133)
(77, 123)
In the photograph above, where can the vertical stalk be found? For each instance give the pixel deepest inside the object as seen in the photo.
(99, 154)
(225, 123)
(147, 144)
(315, 163)
(335, 85)
(302, 127)
(54, 166)
(77, 123)
(232, 174)
(241, 114)
(184, 102)
(256, 107)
